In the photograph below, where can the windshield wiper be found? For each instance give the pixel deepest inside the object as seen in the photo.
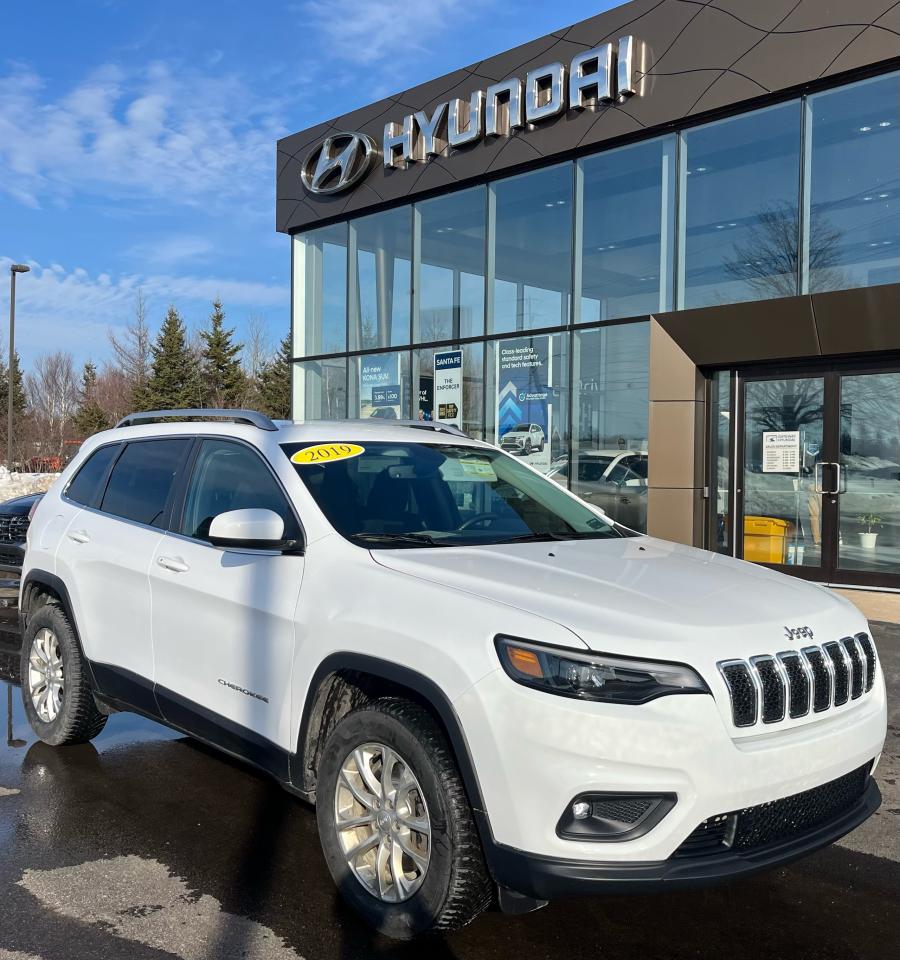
(416, 539)
(533, 538)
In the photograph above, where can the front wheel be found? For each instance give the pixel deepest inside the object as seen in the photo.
(56, 693)
(395, 825)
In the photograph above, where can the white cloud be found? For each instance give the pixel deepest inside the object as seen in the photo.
(384, 32)
(60, 308)
(160, 131)
(172, 251)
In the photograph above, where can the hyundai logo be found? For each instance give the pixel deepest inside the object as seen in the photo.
(338, 162)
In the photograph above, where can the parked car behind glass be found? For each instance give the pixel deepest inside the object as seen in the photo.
(14, 521)
(614, 480)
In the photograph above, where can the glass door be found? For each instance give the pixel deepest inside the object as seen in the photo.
(782, 474)
(816, 477)
(868, 499)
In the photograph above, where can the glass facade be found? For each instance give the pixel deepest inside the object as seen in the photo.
(530, 250)
(626, 220)
(381, 280)
(544, 281)
(740, 217)
(450, 267)
(853, 164)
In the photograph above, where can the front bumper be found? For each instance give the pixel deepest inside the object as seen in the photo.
(534, 752)
(548, 878)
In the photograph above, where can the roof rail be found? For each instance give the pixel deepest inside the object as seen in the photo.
(435, 425)
(251, 417)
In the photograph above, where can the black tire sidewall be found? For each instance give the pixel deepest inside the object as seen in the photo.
(418, 914)
(52, 618)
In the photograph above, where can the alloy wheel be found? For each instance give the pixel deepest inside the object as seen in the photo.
(382, 822)
(46, 682)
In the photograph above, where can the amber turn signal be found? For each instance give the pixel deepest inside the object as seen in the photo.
(525, 661)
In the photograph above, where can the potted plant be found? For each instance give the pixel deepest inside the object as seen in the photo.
(868, 536)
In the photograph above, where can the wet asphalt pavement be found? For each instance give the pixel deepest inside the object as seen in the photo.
(146, 845)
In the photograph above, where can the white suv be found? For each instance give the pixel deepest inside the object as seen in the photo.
(486, 687)
(524, 438)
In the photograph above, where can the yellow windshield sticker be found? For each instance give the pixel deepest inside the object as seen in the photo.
(326, 453)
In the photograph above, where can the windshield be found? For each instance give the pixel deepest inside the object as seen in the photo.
(521, 427)
(382, 495)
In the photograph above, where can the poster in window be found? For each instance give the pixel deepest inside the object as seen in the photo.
(524, 399)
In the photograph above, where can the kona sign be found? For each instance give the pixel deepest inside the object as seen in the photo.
(594, 77)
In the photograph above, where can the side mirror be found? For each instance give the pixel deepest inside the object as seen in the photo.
(250, 530)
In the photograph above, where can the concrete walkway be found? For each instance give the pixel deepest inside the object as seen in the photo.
(883, 607)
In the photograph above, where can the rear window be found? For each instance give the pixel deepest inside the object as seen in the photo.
(85, 485)
(142, 480)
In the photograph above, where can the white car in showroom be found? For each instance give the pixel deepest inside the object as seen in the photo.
(524, 439)
(486, 687)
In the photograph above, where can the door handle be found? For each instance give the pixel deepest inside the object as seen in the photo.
(838, 480)
(79, 536)
(817, 476)
(175, 564)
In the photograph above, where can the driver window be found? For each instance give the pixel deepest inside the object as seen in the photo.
(229, 476)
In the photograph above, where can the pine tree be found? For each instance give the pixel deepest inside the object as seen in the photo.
(91, 417)
(173, 379)
(275, 383)
(223, 383)
(19, 400)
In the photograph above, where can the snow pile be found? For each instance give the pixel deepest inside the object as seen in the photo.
(19, 484)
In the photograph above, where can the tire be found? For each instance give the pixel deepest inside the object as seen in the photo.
(72, 717)
(528, 447)
(455, 887)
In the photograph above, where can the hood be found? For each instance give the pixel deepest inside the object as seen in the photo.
(19, 506)
(641, 596)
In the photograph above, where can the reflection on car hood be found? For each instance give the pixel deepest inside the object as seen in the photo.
(639, 594)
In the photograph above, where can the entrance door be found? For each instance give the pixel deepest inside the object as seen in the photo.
(817, 473)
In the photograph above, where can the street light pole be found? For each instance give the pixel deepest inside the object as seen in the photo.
(10, 385)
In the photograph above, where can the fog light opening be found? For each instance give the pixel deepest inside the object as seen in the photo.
(613, 817)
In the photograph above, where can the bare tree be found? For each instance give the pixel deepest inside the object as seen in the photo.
(257, 348)
(53, 399)
(258, 353)
(132, 354)
(768, 260)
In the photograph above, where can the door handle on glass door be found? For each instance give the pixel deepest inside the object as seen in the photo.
(175, 564)
(79, 536)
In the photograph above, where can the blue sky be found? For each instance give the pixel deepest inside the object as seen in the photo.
(137, 141)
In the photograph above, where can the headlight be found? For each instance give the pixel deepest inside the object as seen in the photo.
(594, 676)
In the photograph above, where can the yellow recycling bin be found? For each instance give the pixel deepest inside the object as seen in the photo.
(765, 539)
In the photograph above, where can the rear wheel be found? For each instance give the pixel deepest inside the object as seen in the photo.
(395, 824)
(56, 693)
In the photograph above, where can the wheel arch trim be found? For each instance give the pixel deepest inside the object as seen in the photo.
(42, 578)
(417, 683)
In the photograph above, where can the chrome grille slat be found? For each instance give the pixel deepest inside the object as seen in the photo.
(766, 689)
(823, 677)
(840, 663)
(742, 691)
(772, 686)
(868, 649)
(857, 667)
(799, 683)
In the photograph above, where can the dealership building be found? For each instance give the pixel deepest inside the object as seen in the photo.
(655, 254)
